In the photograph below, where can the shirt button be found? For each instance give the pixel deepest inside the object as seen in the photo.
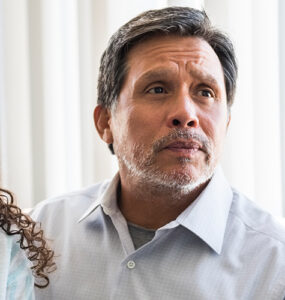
(131, 264)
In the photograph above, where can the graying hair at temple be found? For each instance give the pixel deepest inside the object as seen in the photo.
(182, 21)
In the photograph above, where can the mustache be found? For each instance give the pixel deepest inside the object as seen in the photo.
(185, 134)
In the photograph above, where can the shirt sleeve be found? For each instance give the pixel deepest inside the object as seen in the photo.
(20, 283)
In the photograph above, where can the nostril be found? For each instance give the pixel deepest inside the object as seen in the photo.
(175, 122)
(191, 124)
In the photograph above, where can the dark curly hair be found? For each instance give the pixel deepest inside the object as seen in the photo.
(14, 222)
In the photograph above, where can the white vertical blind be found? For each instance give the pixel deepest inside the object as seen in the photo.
(16, 98)
(266, 105)
(36, 99)
(98, 163)
(281, 37)
(69, 17)
(53, 98)
(2, 103)
(61, 96)
(89, 43)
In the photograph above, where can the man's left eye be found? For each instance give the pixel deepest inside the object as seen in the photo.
(206, 93)
(157, 90)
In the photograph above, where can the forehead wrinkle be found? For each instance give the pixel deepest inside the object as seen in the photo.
(175, 56)
(168, 53)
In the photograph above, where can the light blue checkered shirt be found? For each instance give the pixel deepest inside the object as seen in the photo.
(16, 280)
(221, 247)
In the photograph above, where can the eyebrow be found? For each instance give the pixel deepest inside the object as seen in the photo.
(153, 75)
(202, 76)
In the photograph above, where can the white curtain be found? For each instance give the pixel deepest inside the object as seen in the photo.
(49, 59)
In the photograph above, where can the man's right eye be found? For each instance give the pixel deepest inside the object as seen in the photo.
(157, 90)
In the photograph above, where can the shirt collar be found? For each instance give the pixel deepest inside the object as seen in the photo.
(108, 200)
(207, 216)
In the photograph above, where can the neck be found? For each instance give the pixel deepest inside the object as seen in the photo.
(151, 207)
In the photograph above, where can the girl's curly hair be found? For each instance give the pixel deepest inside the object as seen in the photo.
(14, 222)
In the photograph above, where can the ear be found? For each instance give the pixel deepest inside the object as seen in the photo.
(102, 117)
(229, 119)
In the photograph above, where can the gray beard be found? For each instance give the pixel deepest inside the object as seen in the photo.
(142, 169)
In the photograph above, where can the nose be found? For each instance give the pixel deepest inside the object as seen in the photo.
(183, 112)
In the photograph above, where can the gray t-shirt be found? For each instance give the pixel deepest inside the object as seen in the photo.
(140, 235)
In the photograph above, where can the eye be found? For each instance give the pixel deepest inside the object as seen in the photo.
(157, 90)
(206, 93)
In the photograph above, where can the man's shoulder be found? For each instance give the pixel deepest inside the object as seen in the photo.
(256, 220)
(75, 202)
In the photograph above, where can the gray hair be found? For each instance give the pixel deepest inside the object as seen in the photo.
(181, 21)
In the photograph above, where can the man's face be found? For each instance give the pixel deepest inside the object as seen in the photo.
(171, 117)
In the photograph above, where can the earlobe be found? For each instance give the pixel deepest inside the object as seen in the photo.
(102, 118)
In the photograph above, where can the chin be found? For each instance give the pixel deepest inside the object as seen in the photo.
(186, 172)
(182, 181)
(182, 175)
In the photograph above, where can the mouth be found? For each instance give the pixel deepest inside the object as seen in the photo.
(186, 147)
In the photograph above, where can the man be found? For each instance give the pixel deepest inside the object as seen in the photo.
(168, 225)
